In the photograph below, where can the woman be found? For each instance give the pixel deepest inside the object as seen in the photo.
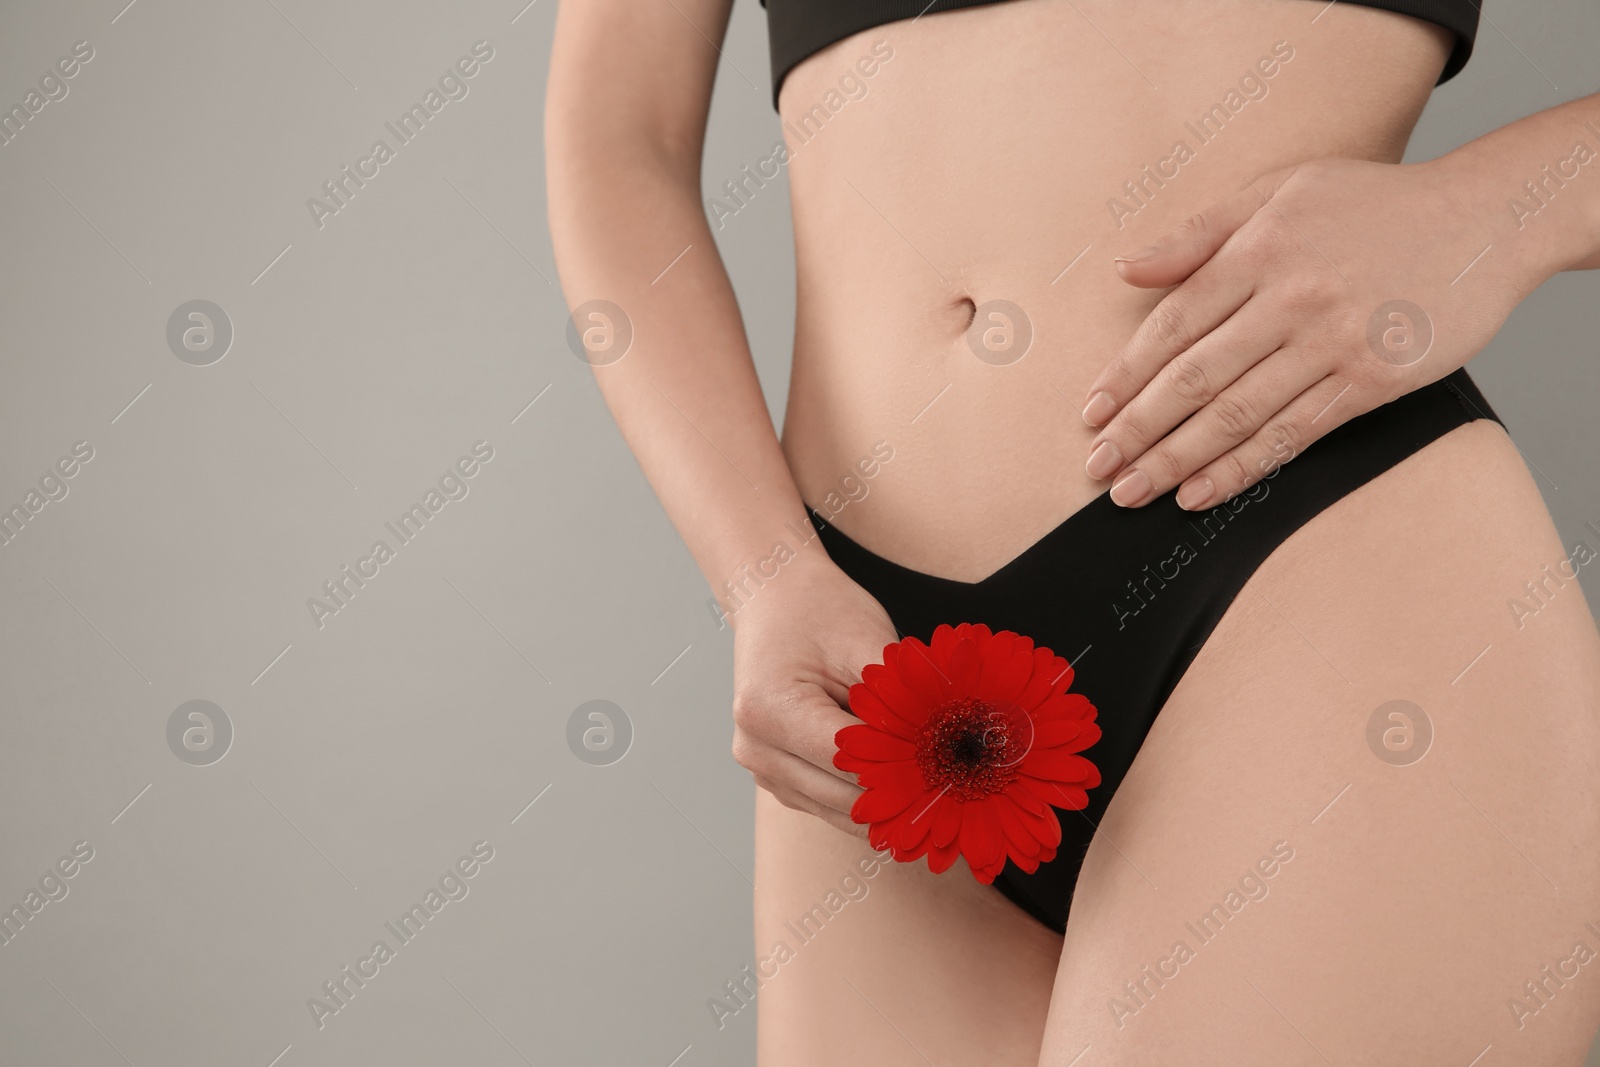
(1163, 347)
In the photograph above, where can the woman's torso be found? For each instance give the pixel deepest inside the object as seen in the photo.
(989, 149)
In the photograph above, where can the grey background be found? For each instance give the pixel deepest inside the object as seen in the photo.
(431, 711)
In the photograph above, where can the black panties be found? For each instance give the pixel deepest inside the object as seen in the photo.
(1129, 596)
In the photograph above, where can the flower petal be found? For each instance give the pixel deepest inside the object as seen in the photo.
(1023, 794)
(1088, 734)
(920, 674)
(942, 640)
(942, 857)
(869, 742)
(964, 667)
(1044, 826)
(946, 821)
(846, 762)
(1074, 706)
(1054, 732)
(1027, 866)
(906, 833)
(981, 841)
(878, 805)
(1039, 687)
(1057, 764)
(1020, 839)
(1093, 779)
(892, 694)
(989, 872)
(1062, 795)
(1006, 670)
(902, 776)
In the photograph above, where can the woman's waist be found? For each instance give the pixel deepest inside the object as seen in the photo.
(955, 486)
(954, 172)
(991, 353)
(944, 436)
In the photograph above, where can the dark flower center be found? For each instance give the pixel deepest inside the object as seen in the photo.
(969, 748)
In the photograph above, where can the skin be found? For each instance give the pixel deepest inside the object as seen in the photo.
(1262, 340)
(1420, 898)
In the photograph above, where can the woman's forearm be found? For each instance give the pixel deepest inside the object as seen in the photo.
(632, 231)
(1533, 187)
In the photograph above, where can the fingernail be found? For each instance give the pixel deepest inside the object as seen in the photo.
(1131, 490)
(1195, 494)
(1104, 461)
(1099, 409)
(1144, 253)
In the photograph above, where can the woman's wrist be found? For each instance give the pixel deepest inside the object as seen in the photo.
(1533, 190)
(787, 558)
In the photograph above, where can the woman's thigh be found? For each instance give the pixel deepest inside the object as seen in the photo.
(869, 961)
(1290, 883)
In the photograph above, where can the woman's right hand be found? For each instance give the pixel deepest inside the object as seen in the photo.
(799, 644)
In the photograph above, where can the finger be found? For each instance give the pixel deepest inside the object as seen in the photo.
(1189, 382)
(799, 719)
(1180, 321)
(1321, 408)
(1233, 417)
(1180, 251)
(824, 789)
(808, 731)
(800, 802)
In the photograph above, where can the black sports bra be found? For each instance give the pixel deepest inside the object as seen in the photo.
(797, 28)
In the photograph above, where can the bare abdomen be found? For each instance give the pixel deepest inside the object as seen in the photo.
(995, 160)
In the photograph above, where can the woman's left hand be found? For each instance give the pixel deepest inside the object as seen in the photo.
(1314, 295)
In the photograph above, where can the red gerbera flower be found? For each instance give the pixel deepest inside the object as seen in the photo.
(964, 745)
